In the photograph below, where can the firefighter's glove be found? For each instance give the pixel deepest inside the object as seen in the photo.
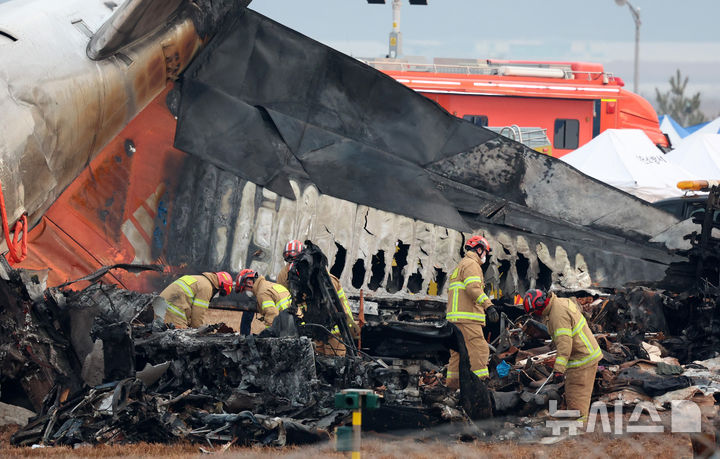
(558, 377)
(492, 314)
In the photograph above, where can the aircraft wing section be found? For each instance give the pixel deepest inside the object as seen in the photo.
(270, 104)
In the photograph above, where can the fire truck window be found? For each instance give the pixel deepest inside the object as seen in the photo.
(694, 208)
(567, 134)
(477, 120)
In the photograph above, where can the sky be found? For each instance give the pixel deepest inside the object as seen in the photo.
(673, 34)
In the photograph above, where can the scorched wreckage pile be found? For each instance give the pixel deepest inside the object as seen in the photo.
(220, 172)
(96, 369)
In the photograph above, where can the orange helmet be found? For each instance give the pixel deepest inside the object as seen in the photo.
(535, 301)
(292, 250)
(245, 279)
(478, 242)
(225, 283)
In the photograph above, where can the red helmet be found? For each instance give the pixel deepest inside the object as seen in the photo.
(478, 242)
(292, 250)
(245, 279)
(535, 301)
(225, 282)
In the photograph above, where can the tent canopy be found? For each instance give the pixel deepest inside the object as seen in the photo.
(627, 159)
(700, 155)
(672, 129)
(711, 127)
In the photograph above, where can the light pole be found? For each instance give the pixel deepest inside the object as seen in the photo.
(636, 17)
(395, 48)
(395, 42)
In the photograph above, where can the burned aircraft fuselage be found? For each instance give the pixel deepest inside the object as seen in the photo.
(385, 181)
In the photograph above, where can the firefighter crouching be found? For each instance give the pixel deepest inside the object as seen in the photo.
(333, 346)
(466, 308)
(578, 352)
(189, 297)
(271, 298)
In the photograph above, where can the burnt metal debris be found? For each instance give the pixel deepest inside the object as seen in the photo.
(96, 369)
(705, 251)
(205, 385)
(703, 256)
(310, 284)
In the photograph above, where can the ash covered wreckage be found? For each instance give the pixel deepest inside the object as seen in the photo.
(183, 137)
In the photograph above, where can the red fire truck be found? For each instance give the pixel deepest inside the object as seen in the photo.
(568, 102)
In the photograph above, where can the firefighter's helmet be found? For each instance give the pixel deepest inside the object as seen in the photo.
(478, 243)
(292, 250)
(245, 280)
(225, 283)
(535, 301)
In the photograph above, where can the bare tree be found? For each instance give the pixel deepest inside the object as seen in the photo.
(685, 110)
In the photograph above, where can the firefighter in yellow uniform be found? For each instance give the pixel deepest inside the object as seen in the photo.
(292, 251)
(271, 298)
(578, 352)
(467, 303)
(333, 346)
(189, 297)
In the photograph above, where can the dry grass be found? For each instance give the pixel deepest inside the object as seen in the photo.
(584, 446)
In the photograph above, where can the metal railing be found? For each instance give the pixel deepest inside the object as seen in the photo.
(473, 69)
(533, 137)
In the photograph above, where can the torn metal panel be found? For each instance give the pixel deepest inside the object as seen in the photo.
(455, 175)
(335, 217)
(259, 232)
(35, 283)
(395, 140)
(520, 258)
(152, 373)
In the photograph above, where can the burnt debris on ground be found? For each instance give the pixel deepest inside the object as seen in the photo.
(95, 368)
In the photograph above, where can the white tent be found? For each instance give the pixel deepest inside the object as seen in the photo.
(674, 131)
(700, 155)
(627, 159)
(713, 127)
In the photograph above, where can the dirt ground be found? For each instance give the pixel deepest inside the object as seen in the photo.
(231, 319)
(584, 446)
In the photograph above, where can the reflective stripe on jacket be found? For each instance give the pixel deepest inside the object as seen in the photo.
(188, 298)
(575, 343)
(354, 328)
(466, 296)
(271, 299)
